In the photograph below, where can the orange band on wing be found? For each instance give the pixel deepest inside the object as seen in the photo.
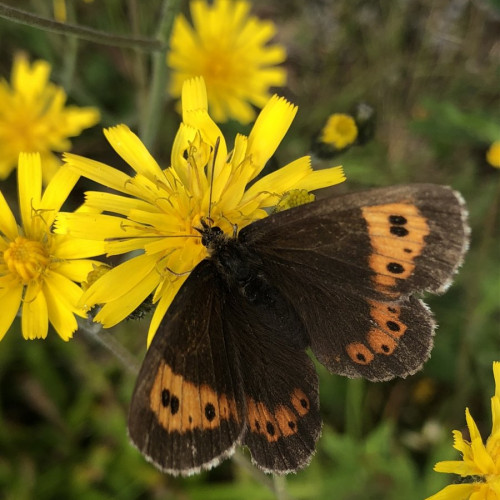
(182, 406)
(397, 236)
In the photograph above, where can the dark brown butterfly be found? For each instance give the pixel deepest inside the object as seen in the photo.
(228, 365)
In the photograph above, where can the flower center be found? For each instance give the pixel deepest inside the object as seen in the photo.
(26, 259)
(221, 68)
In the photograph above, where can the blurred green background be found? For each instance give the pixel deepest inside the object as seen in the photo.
(431, 71)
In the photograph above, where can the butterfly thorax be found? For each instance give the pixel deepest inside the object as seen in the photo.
(236, 264)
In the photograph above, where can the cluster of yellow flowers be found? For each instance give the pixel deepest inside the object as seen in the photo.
(43, 260)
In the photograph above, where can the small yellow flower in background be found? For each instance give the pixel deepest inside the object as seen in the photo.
(227, 47)
(340, 130)
(34, 118)
(493, 155)
(481, 463)
(60, 11)
(164, 206)
(37, 268)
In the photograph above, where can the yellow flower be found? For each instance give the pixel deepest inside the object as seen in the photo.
(33, 117)
(60, 11)
(37, 268)
(340, 131)
(480, 462)
(163, 207)
(227, 47)
(493, 155)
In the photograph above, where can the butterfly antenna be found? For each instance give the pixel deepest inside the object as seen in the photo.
(214, 157)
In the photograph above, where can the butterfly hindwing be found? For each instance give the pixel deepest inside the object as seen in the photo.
(280, 381)
(187, 410)
(353, 335)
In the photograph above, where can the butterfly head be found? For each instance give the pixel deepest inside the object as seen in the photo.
(212, 237)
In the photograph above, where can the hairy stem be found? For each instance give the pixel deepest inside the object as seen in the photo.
(96, 36)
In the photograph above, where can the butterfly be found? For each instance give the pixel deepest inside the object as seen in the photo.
(228, 365)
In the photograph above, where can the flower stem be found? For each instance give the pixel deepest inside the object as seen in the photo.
(277, 484)
(96, 332)
(353, 411)
(159, 77)
(70, 54)
(96, 36)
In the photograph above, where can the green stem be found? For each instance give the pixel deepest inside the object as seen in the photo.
(96, 36)
(106, 339)
(159, 77)
(70, 53)
(354, 405)
(138, 62)
(277, 484)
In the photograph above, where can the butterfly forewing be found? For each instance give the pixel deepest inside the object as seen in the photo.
(384, 243)
(187, 410)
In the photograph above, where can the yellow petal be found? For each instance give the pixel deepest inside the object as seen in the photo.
(133, 151)
(269, 129)
(29, 175)
(11, 300)
(60, 312)
(119, 247)
(481, 457)
(95, 226)
(319, 179)
(195, 115)
(76, 270)
(483, 492)
(495, 412)
(35, 319)
(457, 467)
(57, 191)
(496, 374)
(8, 225)
(66, 291)
(115, 203)
(117, 310)
(194, 97)
(101, 173)
(168, 292)
(461, 445)
(454, 492)
(76, 248)
(121, 280)
(281, 180)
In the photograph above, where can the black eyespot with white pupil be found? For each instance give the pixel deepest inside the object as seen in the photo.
(397, 222)
(209, 411)
(395, 268)
(397, 219)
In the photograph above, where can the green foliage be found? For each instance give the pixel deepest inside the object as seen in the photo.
(432, 76)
